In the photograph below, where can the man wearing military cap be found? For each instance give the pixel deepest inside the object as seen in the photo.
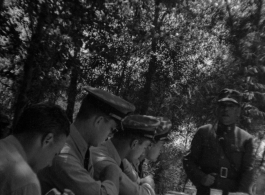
(130, 143)
(160, 138)
(131, 164)
(151, 154)
(99, 116)
(221, 154)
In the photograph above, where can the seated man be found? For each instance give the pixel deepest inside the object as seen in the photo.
(160, 139)
(152, 153)
(38, 136)
(129, 143)
(99, 116)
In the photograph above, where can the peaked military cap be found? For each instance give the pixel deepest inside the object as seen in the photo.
(163, 129)
(230, 95)
(112, 105)
(141, 124)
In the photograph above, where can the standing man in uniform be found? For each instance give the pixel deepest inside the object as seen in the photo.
(99, 116)
(130, 143)
(221, 154)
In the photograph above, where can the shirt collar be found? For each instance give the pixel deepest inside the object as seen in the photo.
(78, 140)
(14, 141)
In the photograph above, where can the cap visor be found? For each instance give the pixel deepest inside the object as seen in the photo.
(228, 100)
(165, 139)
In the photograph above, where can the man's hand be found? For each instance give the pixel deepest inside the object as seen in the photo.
(148, 179)
(67, 192)
(54, 191)
(208, 179)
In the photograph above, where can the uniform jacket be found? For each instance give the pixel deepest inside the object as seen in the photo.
(206, 155)
(107, 154)
(16, 176)
(67, 171)
(130, 171)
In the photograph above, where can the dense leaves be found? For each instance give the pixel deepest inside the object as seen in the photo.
(168, 57)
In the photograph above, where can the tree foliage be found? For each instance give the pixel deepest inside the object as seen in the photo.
(168, 57)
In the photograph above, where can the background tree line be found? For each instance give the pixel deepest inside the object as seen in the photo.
(168, 57)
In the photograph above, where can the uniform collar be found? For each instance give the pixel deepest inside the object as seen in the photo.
(78, 140)
(226, 128)
(14, 141)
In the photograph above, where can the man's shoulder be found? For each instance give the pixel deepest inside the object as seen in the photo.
(14, 165)
(105, 154)
(67, 159)
(101, 150)
(17, 174)
(102, 153)
(243, 133)
(205, 128)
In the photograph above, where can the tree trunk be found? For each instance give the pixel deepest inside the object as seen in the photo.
(24, 87)
(72, 92)
(2, 3)
(122, 77)
(146, 93)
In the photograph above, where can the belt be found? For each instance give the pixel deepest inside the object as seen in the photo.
(222, 172)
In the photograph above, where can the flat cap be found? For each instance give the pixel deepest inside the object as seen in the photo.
(141, 124)
(163, 129)
(230, 95)
(112, 105)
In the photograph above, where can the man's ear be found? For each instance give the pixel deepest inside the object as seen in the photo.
(134, 143)
(98, 120)
(47, 140)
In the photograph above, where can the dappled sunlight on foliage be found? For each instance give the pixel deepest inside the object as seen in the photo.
(170, 58)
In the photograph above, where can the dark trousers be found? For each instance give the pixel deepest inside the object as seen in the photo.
(226, 185)
(202, 190)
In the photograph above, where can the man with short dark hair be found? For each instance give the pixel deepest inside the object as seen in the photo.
(128, 144)
(98, 118)
(38, 136)
(222, 155)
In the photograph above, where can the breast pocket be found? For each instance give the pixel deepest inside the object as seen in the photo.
(237, 154)
(209, 150)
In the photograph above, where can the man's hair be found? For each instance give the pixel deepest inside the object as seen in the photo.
(89, 108)
(42, 119)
